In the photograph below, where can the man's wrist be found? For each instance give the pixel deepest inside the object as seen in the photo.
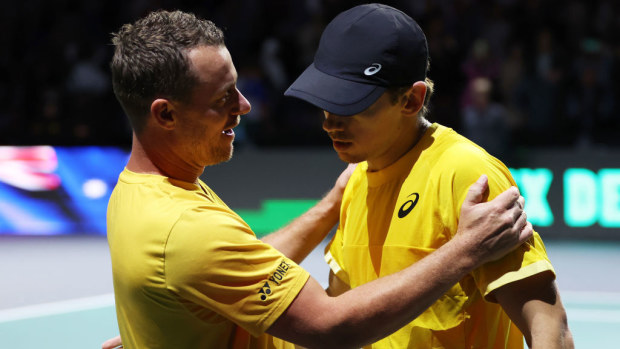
(465, 252)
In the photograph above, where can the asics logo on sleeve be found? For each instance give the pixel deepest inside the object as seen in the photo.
(408, 205)
(373, 69)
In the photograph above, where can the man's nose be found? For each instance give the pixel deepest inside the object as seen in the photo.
(243, 105)
(333, 122)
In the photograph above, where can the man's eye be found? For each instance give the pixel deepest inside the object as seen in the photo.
(225, 98)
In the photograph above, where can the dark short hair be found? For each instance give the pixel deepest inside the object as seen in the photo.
(151, 60)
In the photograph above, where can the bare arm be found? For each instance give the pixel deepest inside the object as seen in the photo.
(301, 236)
(534, 305)
(336, 286)
(374, 310)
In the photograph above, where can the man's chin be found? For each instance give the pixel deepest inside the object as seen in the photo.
(221, 156)
(348, 158)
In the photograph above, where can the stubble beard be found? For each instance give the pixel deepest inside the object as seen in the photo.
(220, 154)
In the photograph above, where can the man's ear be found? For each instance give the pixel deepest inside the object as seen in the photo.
(414, 98)
(163, 113)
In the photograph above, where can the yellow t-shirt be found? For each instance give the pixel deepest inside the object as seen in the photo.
(189, 272)
(396, 216)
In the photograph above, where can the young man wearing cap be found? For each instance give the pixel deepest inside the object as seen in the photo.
(188, 271)
(403, 200)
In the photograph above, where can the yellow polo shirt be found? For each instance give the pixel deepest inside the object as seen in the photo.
(396, 216)
(189, 272)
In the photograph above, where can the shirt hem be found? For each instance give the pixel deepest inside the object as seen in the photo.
(524, 272)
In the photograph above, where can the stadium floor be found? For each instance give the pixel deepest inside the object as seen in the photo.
(56, 292)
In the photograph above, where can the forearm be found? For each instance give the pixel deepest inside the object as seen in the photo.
(534, 305)
(547, 325)
(550, 331)
(374, 310)
(300, 237)
(409, 293)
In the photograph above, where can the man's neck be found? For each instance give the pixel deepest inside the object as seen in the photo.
(418, 130)
(147, 159)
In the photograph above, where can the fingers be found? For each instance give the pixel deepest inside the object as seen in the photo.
(112, 343)
(520, 222)
(523, 228)
(509, 198)
(517, 209)
(521, 202)
(526, 233)
(478, 191)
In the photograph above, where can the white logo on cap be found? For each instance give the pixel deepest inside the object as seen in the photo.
(373, 69)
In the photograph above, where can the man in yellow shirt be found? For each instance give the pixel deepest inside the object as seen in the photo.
(189, 273)
(403, 201)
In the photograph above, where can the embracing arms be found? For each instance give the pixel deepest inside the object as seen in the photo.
(376, 309)
(372, 311)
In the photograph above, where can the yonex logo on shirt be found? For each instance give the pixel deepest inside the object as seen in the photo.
(408, 206)
(265, 291)
(276, 278)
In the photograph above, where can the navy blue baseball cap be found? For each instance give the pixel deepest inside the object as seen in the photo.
(362, 52)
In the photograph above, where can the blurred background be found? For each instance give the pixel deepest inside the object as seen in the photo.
(534, 82)
(547, 71)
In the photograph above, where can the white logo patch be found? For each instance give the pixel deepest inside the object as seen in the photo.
(373, 69)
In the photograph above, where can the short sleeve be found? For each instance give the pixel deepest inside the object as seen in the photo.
(214, 261)
(528, 259)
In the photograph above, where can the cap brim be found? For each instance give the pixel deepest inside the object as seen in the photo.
(332, 94)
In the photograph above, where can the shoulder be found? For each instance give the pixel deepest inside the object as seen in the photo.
(460, 162)
(208, 236)
(452, 153)
(212, 222)
(456, 150)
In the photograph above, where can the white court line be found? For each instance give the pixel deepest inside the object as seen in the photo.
(56, 308)
(577, 302)
(594, 298)
(107, 300)
(593, 315)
